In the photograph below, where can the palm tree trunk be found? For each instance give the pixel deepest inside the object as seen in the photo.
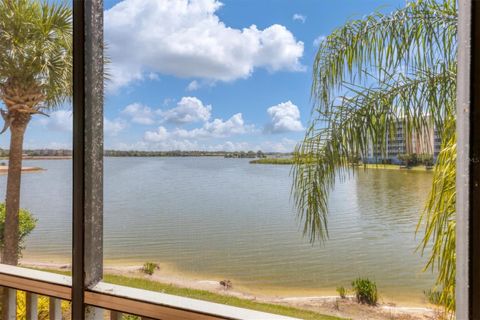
(12, 202)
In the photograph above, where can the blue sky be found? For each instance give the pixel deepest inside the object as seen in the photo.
(208, 75)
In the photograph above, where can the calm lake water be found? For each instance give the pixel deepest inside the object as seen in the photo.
(227, 219)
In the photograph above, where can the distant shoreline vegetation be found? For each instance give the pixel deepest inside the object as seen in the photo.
(46, 154)
(281, 161)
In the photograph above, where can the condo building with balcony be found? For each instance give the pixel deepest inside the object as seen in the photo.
(403, 141)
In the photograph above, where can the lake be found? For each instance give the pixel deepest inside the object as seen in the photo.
(218, 218)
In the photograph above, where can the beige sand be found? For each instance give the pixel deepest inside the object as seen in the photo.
(325, 304)
(4, 169)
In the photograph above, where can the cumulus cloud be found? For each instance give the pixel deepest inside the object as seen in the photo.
(192, 86)
(161, 134)
(163, 145)
(188, 109)
(217, 128)
(113, 127)
(139, 113)
(284, 145)
(161, 142)
(60, 120)
(185, 38)
(299, 17)
(284, 117)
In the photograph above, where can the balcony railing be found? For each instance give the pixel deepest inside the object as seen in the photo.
(113, 299)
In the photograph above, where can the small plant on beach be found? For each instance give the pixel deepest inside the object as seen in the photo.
(342, 292)
(365, 291)
(150, 267)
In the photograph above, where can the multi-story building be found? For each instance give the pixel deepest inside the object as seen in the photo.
(402, 141)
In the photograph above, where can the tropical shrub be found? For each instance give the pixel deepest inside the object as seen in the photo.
(27, 224)
(365, 291)
(150, 267)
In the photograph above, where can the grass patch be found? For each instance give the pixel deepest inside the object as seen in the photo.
(273, 161)
(289, 161)
(209, 296)
(393, 167)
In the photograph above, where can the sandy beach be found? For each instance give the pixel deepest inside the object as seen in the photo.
(4, 169)
(325, 304)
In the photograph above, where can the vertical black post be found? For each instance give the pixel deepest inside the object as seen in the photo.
(78, 241)
(474, 210)
(87, 260)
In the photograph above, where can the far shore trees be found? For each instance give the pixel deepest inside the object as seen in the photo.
(35, 76)
(367, 76)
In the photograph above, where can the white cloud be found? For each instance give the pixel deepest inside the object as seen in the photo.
(284, 117)
(185, 38)
(318, 40)
(153, 76)
(161, 134)
(284, 145)
(139, 113)
(217, 128)
(188, 109)
(192, 86)
(113, 127)
(299, 17)
(60, 120)
(159, 145)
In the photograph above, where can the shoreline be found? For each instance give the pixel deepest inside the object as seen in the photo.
(4, 169)
(324, 303)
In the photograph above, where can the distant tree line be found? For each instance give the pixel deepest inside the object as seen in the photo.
(138, 153)
(41, 153)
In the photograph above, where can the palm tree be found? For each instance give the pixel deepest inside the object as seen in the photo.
(35, 76)
(370, 75)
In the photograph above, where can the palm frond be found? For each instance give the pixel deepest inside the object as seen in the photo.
(36, 47)
(368, 76)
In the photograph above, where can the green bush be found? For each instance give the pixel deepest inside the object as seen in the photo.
(365, 291)
(342, 292)
(150, 267)
(26, 225)
(435, 297)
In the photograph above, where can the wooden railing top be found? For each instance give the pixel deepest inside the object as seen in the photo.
(127, 300)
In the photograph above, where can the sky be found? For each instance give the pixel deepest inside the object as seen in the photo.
(208, 75)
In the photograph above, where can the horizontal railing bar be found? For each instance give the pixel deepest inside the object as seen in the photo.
(139, 302)
(114, 297)
(143, 309)
(35, 286)
(43, 276)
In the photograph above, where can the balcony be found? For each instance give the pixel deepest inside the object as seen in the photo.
(111, 300)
